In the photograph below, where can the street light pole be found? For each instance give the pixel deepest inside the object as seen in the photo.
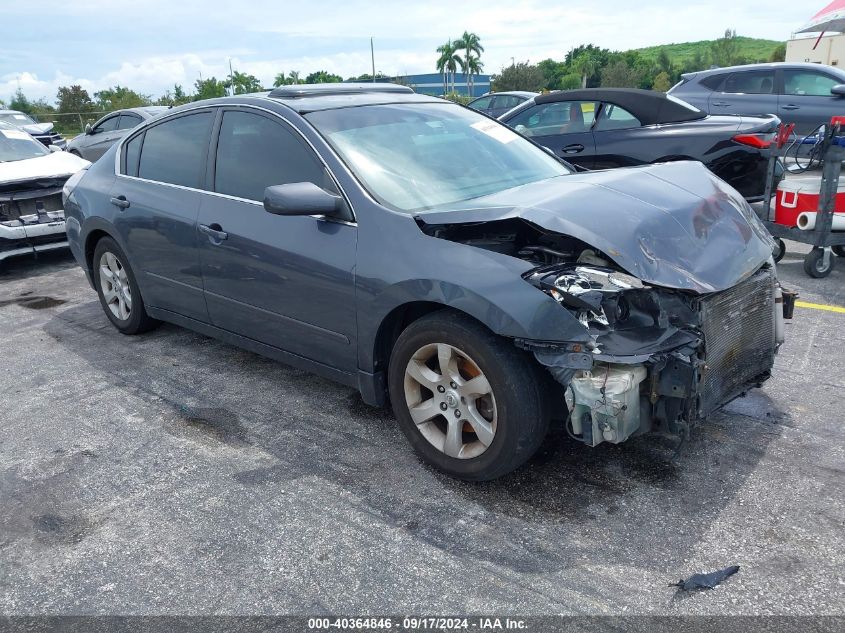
(373, 57)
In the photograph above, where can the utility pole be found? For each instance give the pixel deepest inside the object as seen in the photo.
(231, 77)
(373, 57)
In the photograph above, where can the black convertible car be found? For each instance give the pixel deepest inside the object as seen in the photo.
(602, 128)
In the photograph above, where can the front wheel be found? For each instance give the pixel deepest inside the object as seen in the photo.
(780, 249)
(470, 403)
(818, 264)
(118, 289)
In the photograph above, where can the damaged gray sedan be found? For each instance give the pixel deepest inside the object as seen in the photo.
(434, 259)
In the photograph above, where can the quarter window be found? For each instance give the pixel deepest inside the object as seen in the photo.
(131, 155)
(807, 83)
(756, 82)
(559, 117)
(174, 151)
(255, 152)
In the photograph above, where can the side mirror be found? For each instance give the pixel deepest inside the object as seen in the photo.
(838, 90)
(55, 148)
(300, 198)
(88, 129)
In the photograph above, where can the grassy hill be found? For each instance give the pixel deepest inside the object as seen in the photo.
(749, 48)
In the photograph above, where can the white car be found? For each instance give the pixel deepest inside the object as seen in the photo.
(31, 179)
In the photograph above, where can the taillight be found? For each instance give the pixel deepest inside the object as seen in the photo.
(760, 141)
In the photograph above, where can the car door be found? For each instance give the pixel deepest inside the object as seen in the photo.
(286, 281)
(806, 99)
(101, 137)
(158, 192)
(620, 141)
(750, 92)
(565, 127)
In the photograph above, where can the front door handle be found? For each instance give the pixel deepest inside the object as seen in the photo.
(120, 201)
(575, 148)
(215, 232)
(790, 106)
(720, 104)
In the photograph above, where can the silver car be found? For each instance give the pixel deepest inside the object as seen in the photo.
(807, 95)
(98, 138)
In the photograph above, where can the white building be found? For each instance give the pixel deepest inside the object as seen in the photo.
(830, 50)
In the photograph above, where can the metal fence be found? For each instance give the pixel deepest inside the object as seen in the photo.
(69, 123)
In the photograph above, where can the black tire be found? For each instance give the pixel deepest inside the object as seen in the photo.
(516, 381)
(138, 320)
(814, 264)
(780, 249)
(839, 250)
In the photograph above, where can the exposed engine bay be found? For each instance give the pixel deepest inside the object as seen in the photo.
(31, 216)
(658, 358)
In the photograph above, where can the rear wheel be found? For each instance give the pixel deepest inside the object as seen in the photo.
(118, 290)
(470, 403)
(818, 264)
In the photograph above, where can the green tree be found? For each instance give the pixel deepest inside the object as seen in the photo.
(20, 102)
(662, 82)
(209, 88)
(521, 76)
(119, 97)
(700, 60)
(779, 54)
(618, 74)
(74, 99)
(725, 50)
(586, 64)
(323, 77)
(570, 81)
(553, 72)
(470, 43)
(243, 83)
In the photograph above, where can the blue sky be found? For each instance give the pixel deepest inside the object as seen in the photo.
(153, 44)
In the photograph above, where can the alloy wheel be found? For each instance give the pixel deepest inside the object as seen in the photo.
(450, 400)
(115, 286)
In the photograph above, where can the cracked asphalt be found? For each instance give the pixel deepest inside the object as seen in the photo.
(173, 474)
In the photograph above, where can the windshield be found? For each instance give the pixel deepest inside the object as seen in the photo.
(16, 144)
(16, 118)
(424, 155)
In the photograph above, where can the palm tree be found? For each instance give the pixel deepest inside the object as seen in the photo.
(474, 67)
(446, 52)
(470, 43)
(280, 80)
(293, 77)
(448, 63)
(586, 64)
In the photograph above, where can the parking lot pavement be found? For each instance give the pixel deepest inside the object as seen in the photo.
(170, 473)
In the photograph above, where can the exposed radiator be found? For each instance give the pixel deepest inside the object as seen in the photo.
(739, 340)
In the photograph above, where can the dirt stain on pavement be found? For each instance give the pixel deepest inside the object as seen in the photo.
(56, 529)
(37, 302)
(214, 422)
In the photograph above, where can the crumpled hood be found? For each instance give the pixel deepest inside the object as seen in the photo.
(53, 165)
(37, 128)
(674, 224)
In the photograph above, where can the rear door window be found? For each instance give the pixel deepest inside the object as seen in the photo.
(808, 83)
(613, 117)
(483, 103)
(506, 102)
(175, 151)
(255, 152)
(751, 82)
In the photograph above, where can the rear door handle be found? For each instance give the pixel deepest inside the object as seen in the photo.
(575, 148)
(120, 201)
(790, 106)
(215, 232)
(720, 104)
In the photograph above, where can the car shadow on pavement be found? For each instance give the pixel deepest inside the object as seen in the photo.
(641, 503)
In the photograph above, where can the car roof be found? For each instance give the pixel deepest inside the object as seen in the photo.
(648, 106)
(304, 98)
(12, 112)
(763, 66)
